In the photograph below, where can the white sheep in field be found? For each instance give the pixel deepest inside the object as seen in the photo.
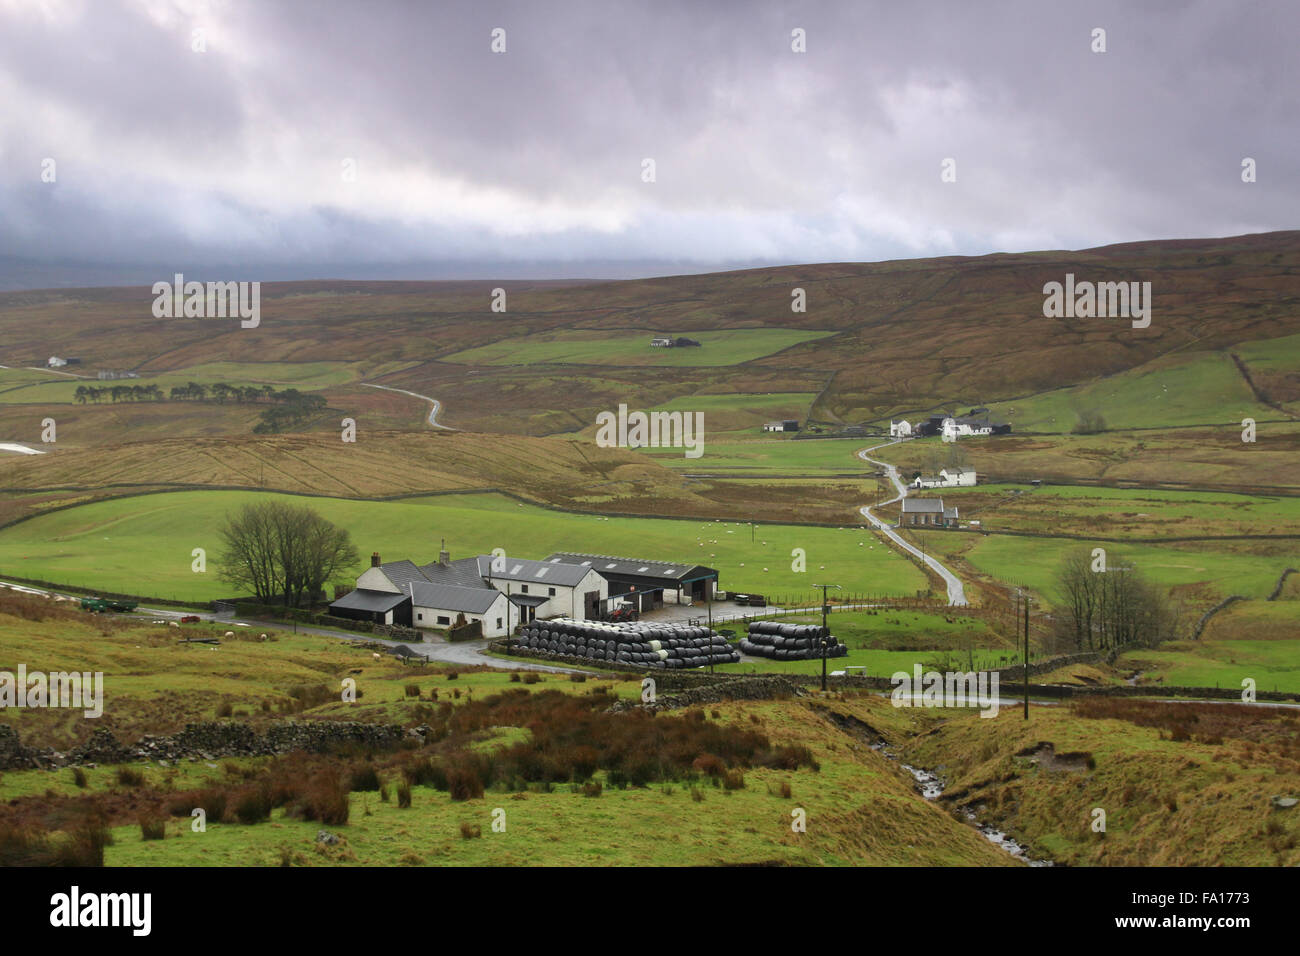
(230, 635)
(172, 624)
(376, 657)
(262, 636)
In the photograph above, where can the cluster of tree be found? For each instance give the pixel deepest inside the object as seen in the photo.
(283, 553)
(291, 414)
(220, 393)
(117, 393)
(1106, 604)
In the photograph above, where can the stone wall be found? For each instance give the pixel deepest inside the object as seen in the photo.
(204, 741)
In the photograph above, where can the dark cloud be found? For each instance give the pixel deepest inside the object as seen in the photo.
(534, 156)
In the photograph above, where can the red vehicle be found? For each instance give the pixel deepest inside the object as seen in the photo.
(190, 619)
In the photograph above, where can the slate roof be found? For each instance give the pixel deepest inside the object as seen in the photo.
(551, 571)
(639, 567)
(464, 572)
(364, 599)
(402, 573)
(452, 597)
(922, 506)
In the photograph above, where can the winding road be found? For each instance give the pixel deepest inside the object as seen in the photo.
(956, 593)
(433, 412)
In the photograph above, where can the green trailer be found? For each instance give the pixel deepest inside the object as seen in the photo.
(100, 605)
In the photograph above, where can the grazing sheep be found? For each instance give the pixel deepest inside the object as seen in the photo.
(172, 624)
(230, 634)
(376, 657)
(262, 636)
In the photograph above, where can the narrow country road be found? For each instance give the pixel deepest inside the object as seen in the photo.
(956, 593)
(433, 412)
(465, 654)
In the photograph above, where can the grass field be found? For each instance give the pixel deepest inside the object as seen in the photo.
(771, 456)
(1274, 665)
(143, 544)
(1184, 389)
(1180, 784)
(632, 347)
(1204, 569)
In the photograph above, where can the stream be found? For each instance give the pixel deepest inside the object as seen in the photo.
(931, 788)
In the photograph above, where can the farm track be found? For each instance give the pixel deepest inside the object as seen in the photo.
(433, 412)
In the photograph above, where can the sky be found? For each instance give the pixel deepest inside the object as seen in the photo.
(390, 140)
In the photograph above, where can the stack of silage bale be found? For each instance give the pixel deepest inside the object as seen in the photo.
(641, 644)
(789, 642)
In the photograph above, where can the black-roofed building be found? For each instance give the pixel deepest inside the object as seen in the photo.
(379, 607)
(647, 584)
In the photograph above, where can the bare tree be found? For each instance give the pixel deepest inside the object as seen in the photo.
(283, 552)
(1107, 606)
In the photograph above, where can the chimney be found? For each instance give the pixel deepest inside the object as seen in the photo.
(444, 556)
(374, 560)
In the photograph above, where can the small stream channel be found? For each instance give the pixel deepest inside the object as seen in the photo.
(931, 788)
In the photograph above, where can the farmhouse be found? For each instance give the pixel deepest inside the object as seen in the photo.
(952, 427)
(547, 588)
(647, 584)
(947, 478)
(661, 342)
(927, 512)
(439, 605)
(901, 429)
(788, 425)
(499, 592)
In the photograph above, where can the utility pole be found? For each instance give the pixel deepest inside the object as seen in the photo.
(825, 630)
(708, 593)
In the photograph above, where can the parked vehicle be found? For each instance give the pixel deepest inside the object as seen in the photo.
(190, 619)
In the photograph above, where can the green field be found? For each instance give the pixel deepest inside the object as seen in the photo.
(143, 545)
(1273, 665)
(632, 347)
(771, 456)
(1036, 562)
(1189, 389)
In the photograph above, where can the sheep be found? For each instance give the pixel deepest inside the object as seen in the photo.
(230, 635)
(172, 624)
(262, 636)
(376, 656)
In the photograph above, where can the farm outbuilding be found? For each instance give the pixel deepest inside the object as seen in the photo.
(378, 607)
(647, 584)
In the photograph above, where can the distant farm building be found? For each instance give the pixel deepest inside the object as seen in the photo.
(110, 375)
(901, 429)
(926, 512)
(947, 478)
(952, 427)
(647, 584)
(788, 425)
(668, 342)
(56, 362)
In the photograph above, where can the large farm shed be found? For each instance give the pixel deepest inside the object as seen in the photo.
(648, 584)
